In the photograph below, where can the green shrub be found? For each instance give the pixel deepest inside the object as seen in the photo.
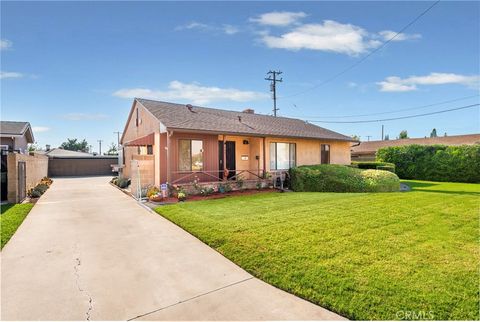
(434, 162)
(123, 182)
(339, 178)
(41, 187)
(35, 193)
(378, 165)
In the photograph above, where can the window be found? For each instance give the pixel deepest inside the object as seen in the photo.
(282, 155)
(145, 150)
(325, 154)
(190, 155)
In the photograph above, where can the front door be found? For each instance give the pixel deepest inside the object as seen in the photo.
(230, 158)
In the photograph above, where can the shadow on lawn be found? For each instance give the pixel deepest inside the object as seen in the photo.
(5, 207)
(425, 187)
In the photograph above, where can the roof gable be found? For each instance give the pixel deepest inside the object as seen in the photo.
(13, 128)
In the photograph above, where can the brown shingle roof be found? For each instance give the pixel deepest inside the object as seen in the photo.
(373, 146)
(178, 116)
(13, 128)
(8, 128)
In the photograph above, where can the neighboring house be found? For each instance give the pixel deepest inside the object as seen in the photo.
(180, 143)
(366, 151)
(15, 136)
(19, 170)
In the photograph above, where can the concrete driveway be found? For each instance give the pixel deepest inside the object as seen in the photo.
(88, 251)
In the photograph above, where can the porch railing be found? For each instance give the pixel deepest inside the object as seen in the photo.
(216, 175)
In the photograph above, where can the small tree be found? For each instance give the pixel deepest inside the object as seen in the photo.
(356, 137)
(403, 135)
(75, 145)
(433, 134)
(445, 134)
(112, 149)
(32, 147)
(386, 138)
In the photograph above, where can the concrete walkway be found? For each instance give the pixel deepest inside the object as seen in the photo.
(88, 251)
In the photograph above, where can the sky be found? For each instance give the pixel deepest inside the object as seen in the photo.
(72, 68)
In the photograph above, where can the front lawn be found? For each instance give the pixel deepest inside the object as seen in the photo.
(12, 215)
(362, 255)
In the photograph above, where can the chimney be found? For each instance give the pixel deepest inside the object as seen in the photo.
(47, 147)
(248, 111)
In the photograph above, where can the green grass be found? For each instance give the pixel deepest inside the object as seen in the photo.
(12, 215)
(362, 255)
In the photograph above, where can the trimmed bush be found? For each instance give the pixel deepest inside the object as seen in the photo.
(434, 162)
(340, 178)
(376, 165)
(123, 182)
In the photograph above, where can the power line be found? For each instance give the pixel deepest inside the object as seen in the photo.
(273, 87)
(400, 118)
(361, 60)
(395, 111)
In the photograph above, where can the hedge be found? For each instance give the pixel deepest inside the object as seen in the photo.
(434, 162)
(376, 165)
(340, 178)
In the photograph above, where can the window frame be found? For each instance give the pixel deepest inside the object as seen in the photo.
(322, 150)
(202, 150)
(290, 164)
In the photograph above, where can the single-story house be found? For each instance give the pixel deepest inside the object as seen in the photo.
(15, 136)
(174, 143)
(20, 171)
(366, 151)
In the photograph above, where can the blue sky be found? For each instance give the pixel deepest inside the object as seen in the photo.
(72, 68)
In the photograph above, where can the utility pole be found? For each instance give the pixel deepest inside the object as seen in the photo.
(368, 138)
(118, 138)
(272, 77)
(100, 147)
(382, 133)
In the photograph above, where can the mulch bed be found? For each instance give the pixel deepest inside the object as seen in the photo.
(215, 195)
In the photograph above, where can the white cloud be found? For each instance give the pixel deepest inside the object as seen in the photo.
(226, 29)
(397, 84)
(277, 18)
(5, 44)
(4, 75)
(230, 30)
(40, 129)
(84, 117)
(193, 92)
(389, 34)
(329, 36)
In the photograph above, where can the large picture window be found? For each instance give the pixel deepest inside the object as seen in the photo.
(282, 155)
(190, 155)
(325, 154)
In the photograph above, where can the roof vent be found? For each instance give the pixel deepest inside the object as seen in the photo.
(248, 111)
(190, 107)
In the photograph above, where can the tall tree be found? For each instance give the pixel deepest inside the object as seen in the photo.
(112, 149)
(356, 137)
(433, 134)
(403, 135)
(75, 145)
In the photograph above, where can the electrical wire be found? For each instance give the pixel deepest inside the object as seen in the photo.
(398, 118)
(393, 111)
(358, 62)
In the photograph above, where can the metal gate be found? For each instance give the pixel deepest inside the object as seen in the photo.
(22, 176)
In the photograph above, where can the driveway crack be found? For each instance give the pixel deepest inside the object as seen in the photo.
(76, 268)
